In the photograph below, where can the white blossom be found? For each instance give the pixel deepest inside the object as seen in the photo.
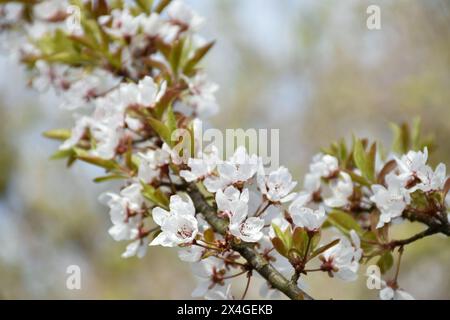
(342, 260)
(220, 293)
(201, 167)
(137, 248)
(123, 23)
(151, 163)
(125, 211)
(237, 170)
(324, 165)
(391, 201)
(181, 14)
(209, 273)
(431, 180)
(247, 229)
(307, 218)
(191, 254)
(311, 186)
(276, 186)
(232, 201)
(178, 226)
(201, 96)
(341, 189)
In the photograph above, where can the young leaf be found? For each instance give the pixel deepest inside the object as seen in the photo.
(285, 236)
(209, 235)
(385, 262)
(154, 195)
(161, 129)
(300, 240)
(324, 248)
(109, 177)
(279, 246)
(198, 55)
(343, 221)
(57, 134)
(61, 154)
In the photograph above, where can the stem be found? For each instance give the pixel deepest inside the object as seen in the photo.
(264, 209)
(206, 247)
(400, 243)
(249, 277)
(235, 275)
(247, 250)
(400, 254)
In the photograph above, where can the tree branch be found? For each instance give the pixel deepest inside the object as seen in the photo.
(247, 251)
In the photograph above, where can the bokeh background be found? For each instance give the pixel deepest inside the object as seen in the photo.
(310, 68)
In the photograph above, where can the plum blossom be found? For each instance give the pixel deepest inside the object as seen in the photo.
(154, 26)
(307, 218)
(341, 190)
(231, 201)
(391, 201)
(390, 290)
(123, 23)
(125, 209)
(431, 180)
(324, 165)
(412, 165)
(82, 91)
(237, 170)
(389, 293)
(151, 164)
(137, 248)
(342, 259)
(201, 167)
(184, 16)
(210, 273)
(277, 186)
(247, 229)
(200, 96)
(191, 254)
(178, 226)
(220, 293)
(311, 187)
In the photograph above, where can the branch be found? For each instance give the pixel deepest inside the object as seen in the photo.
(247, 251)
(420, 235)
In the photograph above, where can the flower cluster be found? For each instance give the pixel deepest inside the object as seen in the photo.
(129, 71)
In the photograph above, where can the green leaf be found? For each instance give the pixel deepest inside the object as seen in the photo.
(154, 195)
(162, 5)
(365, 162)
(146, 5)
(161, 129)
(175, 56)
(107, 164)
(402, 139)
(197, 56)
(61, 154)
(284, 236)
(300, 240)
(343, 221)
(109, 177)
(324, 248)
(171, 122)
(279, 246)
(385, 262)
(57, 134)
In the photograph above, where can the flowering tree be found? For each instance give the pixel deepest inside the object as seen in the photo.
(129, 71)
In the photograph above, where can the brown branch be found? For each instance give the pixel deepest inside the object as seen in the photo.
(400, 243)
(247, 250)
